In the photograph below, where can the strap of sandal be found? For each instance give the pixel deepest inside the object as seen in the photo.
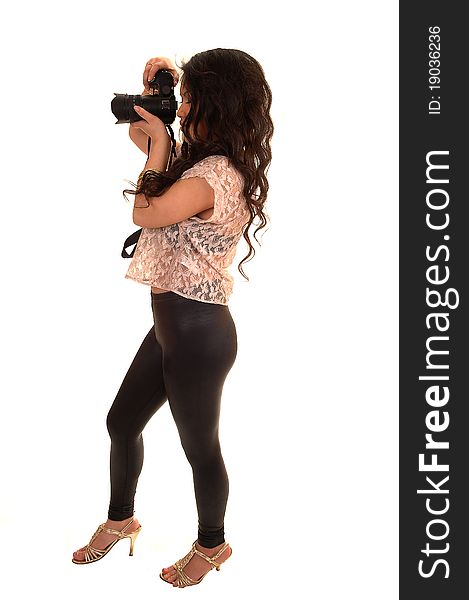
(116, 531)
(211, 559)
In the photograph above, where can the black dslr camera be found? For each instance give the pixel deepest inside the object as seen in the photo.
(162, 102)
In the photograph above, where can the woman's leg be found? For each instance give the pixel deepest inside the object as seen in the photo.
(200, 347)
(140, 395)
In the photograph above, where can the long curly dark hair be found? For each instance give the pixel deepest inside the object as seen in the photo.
(230, 95)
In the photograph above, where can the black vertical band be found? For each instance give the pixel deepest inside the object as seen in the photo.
(434, 252)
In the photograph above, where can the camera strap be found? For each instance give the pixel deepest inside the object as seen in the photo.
(134, 237)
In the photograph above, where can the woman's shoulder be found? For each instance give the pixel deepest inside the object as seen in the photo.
(219, 166)
(216, 163)
(219, 172)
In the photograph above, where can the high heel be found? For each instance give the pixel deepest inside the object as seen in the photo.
(133, 537)
(184, 580)
(93, 554)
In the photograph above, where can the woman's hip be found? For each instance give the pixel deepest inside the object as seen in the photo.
(196, 328)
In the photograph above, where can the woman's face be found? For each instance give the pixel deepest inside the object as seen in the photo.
(185, 106)
(184, 109)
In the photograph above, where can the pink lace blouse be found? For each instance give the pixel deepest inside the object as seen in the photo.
(192, 257)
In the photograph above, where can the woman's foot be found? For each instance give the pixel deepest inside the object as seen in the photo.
(197, 565)
(104, 539)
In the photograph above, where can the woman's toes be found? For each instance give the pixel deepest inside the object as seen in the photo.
(169, 574)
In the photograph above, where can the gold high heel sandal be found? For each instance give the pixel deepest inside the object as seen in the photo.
(94, 554)
(184, 580)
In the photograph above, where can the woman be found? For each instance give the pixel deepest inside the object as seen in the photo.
(192, 217)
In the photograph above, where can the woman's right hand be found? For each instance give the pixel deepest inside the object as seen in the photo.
(155, 64)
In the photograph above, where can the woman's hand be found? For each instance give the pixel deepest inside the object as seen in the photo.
(152, 125)
(155, 64)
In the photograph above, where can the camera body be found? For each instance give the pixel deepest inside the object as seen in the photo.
(161, 102)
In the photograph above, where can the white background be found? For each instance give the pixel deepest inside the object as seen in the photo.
(309, 414)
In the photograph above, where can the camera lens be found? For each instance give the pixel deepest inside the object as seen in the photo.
(121, 106)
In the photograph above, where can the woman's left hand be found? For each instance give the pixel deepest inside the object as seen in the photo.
(152, 125)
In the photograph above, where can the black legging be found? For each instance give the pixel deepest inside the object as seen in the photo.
(184, 358)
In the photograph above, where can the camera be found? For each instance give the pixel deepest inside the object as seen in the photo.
(162, 102)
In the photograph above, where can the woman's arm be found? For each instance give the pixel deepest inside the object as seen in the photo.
(139, 138)
(158, 159)
(184, 199)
